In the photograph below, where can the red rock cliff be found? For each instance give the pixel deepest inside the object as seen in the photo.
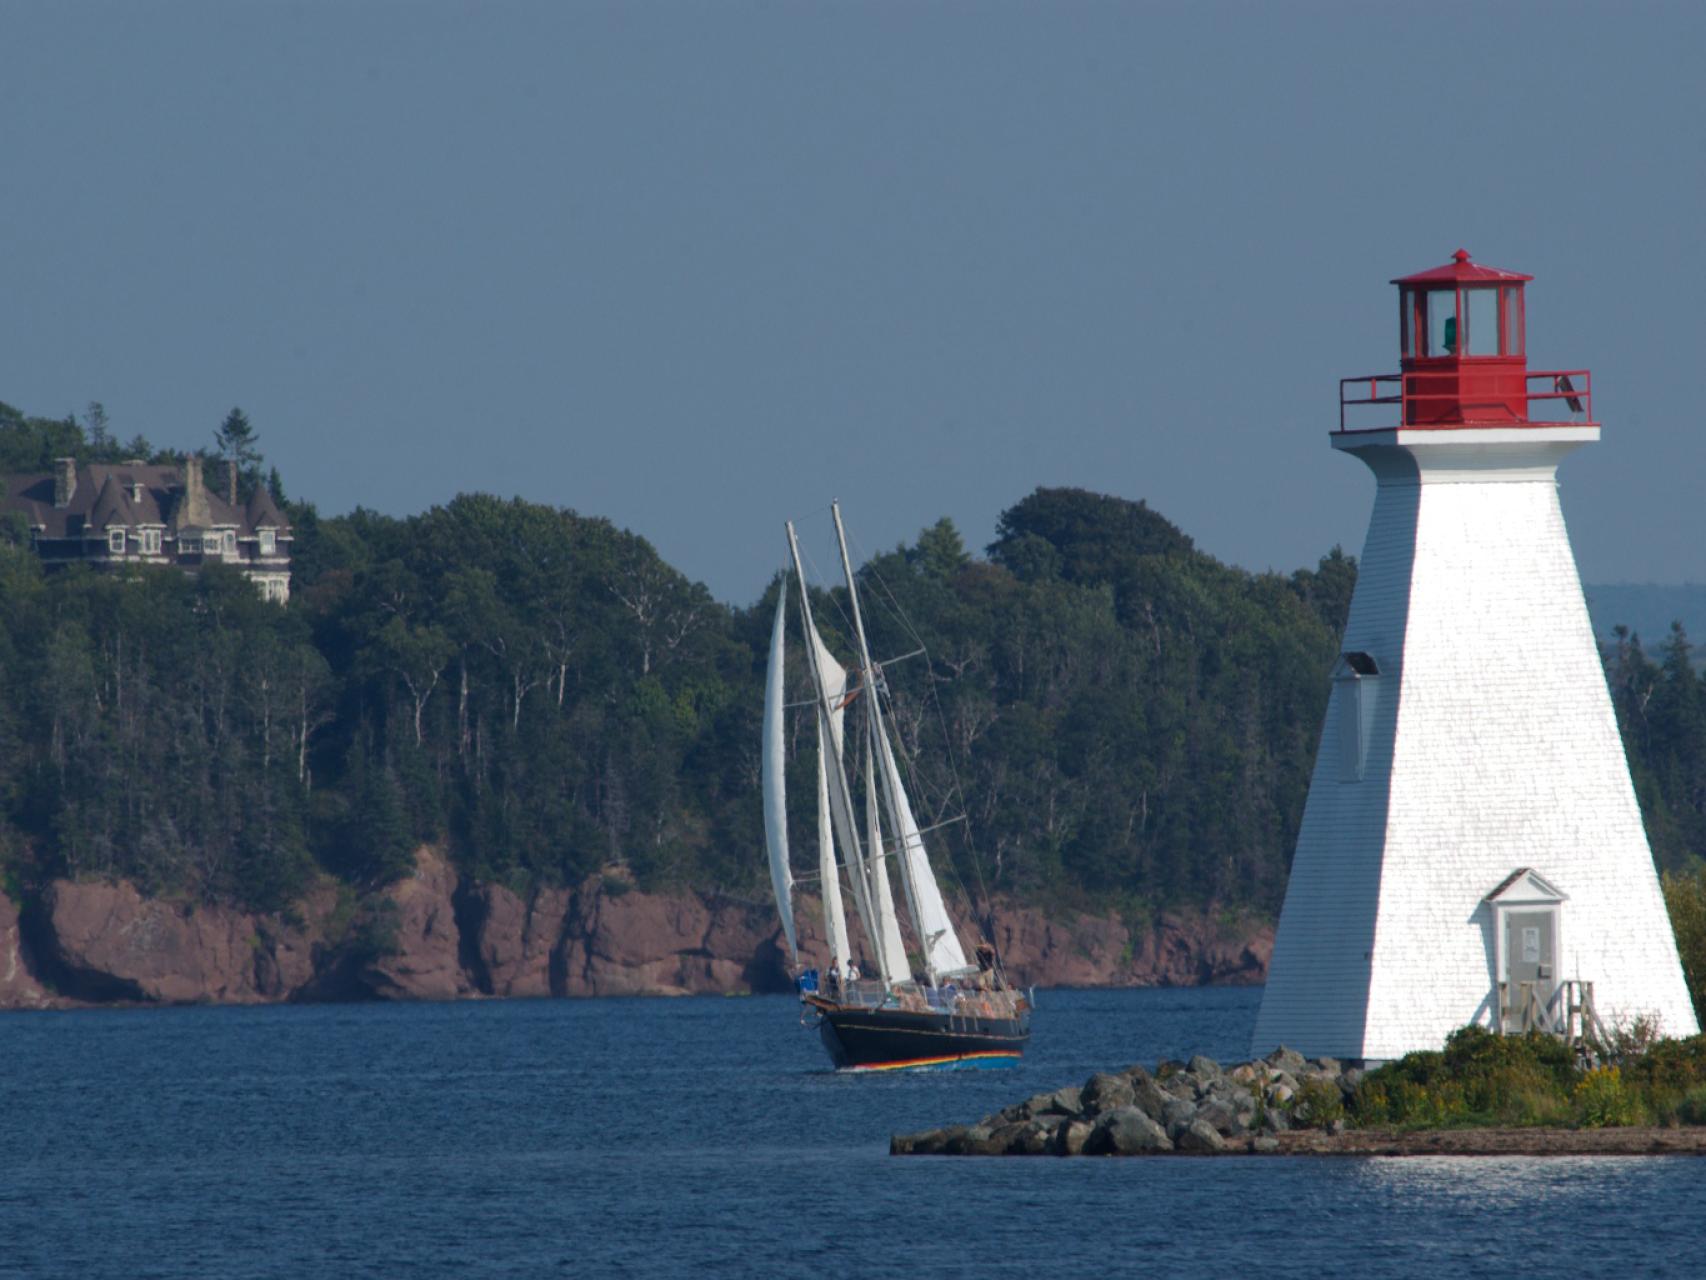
(443, 938)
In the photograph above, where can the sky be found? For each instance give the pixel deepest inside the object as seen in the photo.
(701, 267)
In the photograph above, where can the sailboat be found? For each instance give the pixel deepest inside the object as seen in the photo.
(890, 1008)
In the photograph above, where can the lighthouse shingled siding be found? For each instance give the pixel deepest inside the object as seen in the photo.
(1494, 746)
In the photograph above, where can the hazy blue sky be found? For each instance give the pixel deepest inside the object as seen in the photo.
(698, 267)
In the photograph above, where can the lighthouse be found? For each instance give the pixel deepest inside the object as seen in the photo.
(1471, 850)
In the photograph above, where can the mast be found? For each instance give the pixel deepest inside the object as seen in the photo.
(841, 798)
(874, 719)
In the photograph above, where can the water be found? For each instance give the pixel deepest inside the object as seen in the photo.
(705, 1137)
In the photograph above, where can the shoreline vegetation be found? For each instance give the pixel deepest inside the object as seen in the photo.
(1483, 1094)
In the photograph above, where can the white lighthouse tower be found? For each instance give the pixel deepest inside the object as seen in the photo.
(1471, 850)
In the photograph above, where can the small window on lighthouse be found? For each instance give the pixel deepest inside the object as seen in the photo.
(1356, 685)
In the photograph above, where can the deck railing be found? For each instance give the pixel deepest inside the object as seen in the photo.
(1566, 1012)
(1573, 387)
(950, 998)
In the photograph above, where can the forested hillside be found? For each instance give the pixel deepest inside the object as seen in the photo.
(1126, 721)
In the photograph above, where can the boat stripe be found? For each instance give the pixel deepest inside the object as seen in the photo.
(933, 1062)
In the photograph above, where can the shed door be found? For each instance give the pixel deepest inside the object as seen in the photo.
(1529, 940)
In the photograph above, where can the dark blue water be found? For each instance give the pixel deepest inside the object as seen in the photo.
(706, 1138)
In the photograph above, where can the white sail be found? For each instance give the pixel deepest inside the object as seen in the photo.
(775, 793)
(888, 922)
(942, 951)
(834, 915)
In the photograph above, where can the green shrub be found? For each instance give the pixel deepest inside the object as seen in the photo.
(1675, 1065)
(1691, 1108)
(1318, 1103)
(1603, 1101)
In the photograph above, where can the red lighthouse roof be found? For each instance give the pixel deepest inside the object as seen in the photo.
(1460, 270)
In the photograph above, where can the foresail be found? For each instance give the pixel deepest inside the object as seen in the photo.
(775, 785)
(942, 950)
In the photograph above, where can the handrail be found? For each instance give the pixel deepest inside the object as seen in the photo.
(1573, 386)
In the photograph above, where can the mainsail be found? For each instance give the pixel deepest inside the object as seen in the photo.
(775, 793)
(889, 923)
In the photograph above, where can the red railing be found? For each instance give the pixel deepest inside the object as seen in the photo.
(1572, 386)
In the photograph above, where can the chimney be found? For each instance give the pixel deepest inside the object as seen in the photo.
(231, 481)
(64, 481)
(192, 513)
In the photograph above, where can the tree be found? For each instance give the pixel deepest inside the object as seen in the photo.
(238, 442)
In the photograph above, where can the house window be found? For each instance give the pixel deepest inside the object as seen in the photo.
(115, 541)
(230, 542)
(150, 542)
(269, 542)
(189, 544)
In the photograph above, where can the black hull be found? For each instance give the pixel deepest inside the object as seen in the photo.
(896, 1039)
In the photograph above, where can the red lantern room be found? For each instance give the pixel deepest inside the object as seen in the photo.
(1462, 338)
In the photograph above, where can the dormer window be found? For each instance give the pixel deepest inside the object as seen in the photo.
(150, 542)
(269, 542)
(115, 541)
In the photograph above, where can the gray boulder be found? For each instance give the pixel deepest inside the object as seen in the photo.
(1126, 1132)
(1264, 1146)
(1287, 1060)
(1104, 1093)
(928, 1143)
(1065, 1101)
(1177, 1116)
(1069, 1138)
(1200, 1138)
(1181, 1085)
(979, 1140)
(1034, 1137)
(1221, 1116)
(1203, 1068)
(1147, 1096)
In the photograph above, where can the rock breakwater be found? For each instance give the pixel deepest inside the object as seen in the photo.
(1186, 1108)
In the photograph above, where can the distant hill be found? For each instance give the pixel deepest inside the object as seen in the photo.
(1648, 609)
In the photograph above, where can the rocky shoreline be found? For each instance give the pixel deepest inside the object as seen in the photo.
(1283, 1104)
(443, 936)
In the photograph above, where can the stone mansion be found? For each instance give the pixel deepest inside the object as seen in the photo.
(133, 513)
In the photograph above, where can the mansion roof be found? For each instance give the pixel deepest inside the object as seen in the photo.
(128, 495)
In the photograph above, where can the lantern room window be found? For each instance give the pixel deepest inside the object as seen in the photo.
(1442, 323)
(1476, 320)
(1481, 312)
